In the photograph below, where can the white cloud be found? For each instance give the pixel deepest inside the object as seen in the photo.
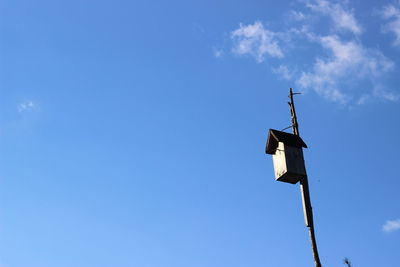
(284, 72)
(297, 15)
(391, 226)
(218, 53)
(363, 99)
(26, 106)
(256, 41)
(348, 61)
(337, 65)
(381, 92)
(392, 13)
(342, 19)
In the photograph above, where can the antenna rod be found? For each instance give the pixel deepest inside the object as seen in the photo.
(304, 188)
(295, 125)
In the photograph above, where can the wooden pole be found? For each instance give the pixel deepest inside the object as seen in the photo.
(305, 191)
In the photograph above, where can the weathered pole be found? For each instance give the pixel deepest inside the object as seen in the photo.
(305, 192)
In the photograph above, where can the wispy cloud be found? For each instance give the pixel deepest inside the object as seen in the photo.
(391, 225)
(297, 15)
(348, 60)
(283, 72)
(336, 65)
(26, 106)
(256, 41)
(342, 19)
(218, 53)
(392, 13)
(381, 92)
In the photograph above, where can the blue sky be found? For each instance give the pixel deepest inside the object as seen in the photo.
(132, 133)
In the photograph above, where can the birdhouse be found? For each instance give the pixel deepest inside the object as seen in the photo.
(287, 154)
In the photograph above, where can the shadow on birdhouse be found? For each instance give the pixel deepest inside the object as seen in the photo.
(287, 154)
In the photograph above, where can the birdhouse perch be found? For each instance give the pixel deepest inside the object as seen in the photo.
(287, 154)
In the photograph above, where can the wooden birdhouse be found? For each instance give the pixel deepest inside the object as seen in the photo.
(287, 154)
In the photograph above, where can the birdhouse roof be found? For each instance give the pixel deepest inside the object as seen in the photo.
(275, 136)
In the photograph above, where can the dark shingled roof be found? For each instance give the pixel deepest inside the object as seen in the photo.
(275, 136)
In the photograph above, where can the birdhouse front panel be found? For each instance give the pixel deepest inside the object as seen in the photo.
(279, 160)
